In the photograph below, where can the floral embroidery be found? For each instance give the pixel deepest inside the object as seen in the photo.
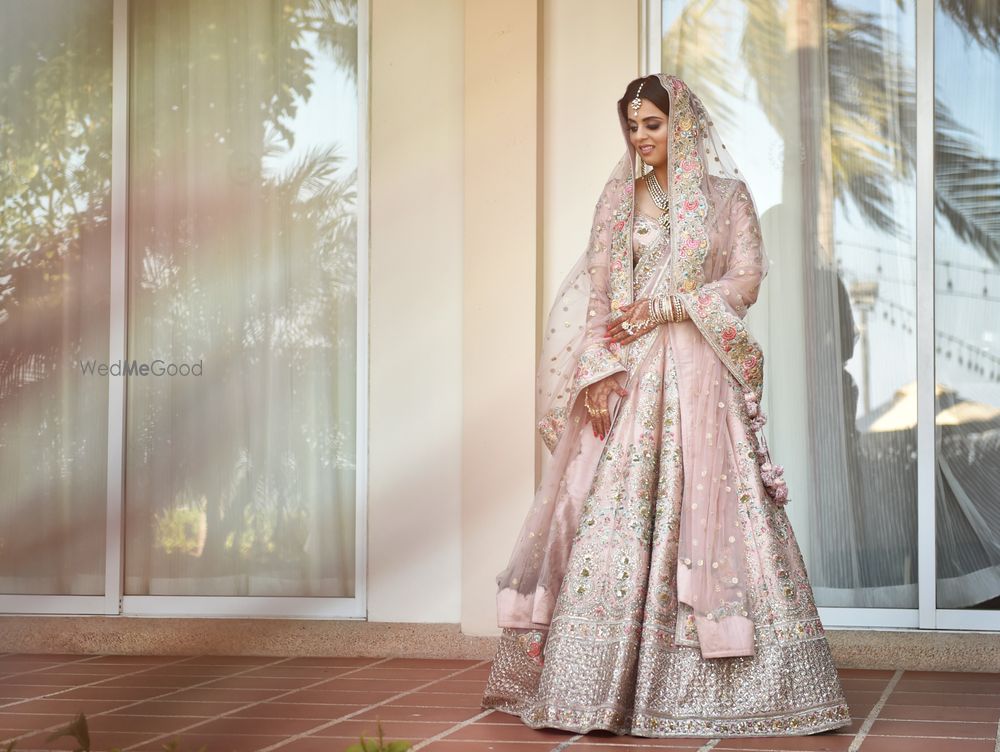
(620, 278)
(551, 426)
(596, 362)
(729, 337)
(533, 643)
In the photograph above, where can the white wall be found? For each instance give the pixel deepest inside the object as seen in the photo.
(590, 54)
(414, 541)
(493, 130)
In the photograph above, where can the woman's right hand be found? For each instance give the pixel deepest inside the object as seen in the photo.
(597, 397)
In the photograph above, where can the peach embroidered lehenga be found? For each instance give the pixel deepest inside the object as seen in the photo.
(656, 587)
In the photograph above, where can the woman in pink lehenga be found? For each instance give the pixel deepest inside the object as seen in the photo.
(656, 587)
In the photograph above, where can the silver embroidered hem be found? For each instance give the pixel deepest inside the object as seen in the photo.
(786, 689)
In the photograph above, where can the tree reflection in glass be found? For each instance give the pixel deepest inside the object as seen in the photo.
(55, 185)
(243, 255)
(820, 96)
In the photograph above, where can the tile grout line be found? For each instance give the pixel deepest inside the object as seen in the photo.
(876, 709)
(125, 706)
(565, 744)
(386, 701)
(54, 695)
(452, 730)
(247, 706)
(78, 661)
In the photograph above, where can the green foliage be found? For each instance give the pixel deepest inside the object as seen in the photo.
(181, 528)
(379, 745)
(75, 729)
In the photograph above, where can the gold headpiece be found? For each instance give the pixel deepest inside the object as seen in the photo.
(636, 102)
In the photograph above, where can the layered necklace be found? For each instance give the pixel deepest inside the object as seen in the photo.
(659, 197)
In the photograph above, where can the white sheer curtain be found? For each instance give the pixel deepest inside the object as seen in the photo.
(241, 480)
(55, 178)
(967, 303)
(816, 101)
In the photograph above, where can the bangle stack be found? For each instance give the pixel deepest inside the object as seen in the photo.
(667, 308)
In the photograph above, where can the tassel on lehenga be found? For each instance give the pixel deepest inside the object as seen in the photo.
(771, 474)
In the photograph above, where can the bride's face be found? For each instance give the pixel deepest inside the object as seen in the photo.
(648, 133)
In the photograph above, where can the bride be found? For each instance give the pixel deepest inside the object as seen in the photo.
(656, 587)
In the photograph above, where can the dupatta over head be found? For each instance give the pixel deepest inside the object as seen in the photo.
(716, 264)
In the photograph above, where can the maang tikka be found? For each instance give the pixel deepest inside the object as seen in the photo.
(636, 102)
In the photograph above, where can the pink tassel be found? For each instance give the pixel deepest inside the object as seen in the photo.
(771, 475)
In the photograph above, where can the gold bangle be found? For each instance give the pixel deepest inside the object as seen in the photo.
(678, 308)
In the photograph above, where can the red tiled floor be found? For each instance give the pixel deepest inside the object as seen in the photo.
(935, 713)
(221, 694)
(825, 742)
(635, 744)
(194, 708)
(448, 663)
(922, 728)
(299, 672)
(409, 730)
(904, 744)
(509, 732)
(439, 699)
(98, 741)
(320, 713)
(413, 713)
(121, 694)
(323, 704)
(257, 726)
(214, 743)
(338, 697)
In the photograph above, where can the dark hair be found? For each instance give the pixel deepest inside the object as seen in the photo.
(653, 91)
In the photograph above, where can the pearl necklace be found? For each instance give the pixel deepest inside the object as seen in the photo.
(659, 196)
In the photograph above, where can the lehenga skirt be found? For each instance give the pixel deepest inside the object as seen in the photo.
(621, 653)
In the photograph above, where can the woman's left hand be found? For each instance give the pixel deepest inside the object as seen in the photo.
(636, 313)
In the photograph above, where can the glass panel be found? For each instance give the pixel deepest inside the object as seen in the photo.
(815, 100)
(55, 179)
(967, 302)
(240, 472)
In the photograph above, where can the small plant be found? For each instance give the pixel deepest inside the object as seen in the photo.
(379, 745)
(77, 729)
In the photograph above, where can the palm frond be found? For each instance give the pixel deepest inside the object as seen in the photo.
(310, 174)
(979, 19)
(691, 51)
(763, 50)
(966, 185)
(336, 25)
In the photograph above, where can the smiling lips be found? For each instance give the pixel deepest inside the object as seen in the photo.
(646, 149)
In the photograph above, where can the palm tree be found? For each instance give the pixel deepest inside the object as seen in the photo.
(870, 94)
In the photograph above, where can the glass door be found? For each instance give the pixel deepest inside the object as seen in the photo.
(853, 142)
(183, 340)
(967, 312)
(55, 235)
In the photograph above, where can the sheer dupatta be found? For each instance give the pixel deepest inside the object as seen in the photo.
(574, 355)
(716, 264)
